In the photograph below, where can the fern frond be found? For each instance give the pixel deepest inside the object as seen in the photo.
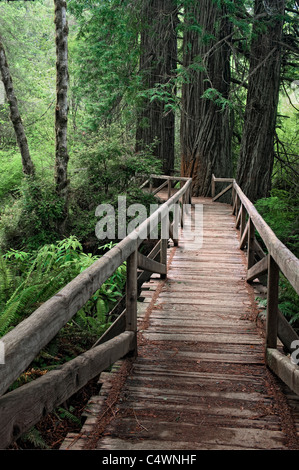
(8, 317)
(34, 437)
(6, 279)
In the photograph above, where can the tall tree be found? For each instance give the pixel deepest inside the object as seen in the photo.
(28, 166)
(257, 144)
(156, 120)
(206, 117)
(61, 109)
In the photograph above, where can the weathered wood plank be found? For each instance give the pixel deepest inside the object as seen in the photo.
(26, 340)
(199, 380)
(25, 406)
(284, 368)
(222, 192)
(258, 269)
(147, 264)
(285, 259)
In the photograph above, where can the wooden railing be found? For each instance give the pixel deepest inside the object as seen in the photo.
(25, 406)
(271, 259)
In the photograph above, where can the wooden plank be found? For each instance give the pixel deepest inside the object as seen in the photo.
(250, 245)
(131, 292)
(286, 260)
(148, 264)
(238, 220)
(24, 342)
(160, 187)
(244, 237)
(222, 192)
(286, 333)
(283, 368)
(258, 269)
(27, 339)
(200, 376)
(272, 303)
(25, 406)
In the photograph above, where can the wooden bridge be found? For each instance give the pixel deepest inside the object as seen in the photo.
(193, 367)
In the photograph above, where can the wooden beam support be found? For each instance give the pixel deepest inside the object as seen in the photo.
(147, 264)
(250, 245)
(244, 236)
(258, 269)
(222, 192)
(164, 244)
(272, 304)
(22, 408)
(283, 367)
(238, 221)
(286, 333)
(131, 292)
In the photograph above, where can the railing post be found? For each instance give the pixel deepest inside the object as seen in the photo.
(131, 296)
(164, 242)
(213, 186)
(169, 188)
(250, 245)
(151, 185)
(233, 198)
(243, 220)
(272, 304)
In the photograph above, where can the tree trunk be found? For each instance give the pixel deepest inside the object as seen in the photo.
(157, 62)
(257, 144)
(61, 110)
(205, 125)
(28, 167)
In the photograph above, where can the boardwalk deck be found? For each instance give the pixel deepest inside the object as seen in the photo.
(199, 381)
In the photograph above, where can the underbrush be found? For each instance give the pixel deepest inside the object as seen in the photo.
(281, 212)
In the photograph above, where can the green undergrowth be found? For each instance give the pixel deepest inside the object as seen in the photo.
(281, 213)
(30, 278)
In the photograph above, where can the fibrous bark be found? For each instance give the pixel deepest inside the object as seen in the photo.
(27, 164)
(257, 144)
(205, 124)
(61, 110)
(157, 63)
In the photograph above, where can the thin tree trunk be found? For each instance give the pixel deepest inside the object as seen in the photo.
(257, 144)
(157, 62)
(61, 110)
(28, 167)
(205, 127)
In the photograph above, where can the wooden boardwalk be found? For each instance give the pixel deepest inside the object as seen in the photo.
(199, 381)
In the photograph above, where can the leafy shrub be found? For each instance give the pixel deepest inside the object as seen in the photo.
(282, 215)
(29, 220)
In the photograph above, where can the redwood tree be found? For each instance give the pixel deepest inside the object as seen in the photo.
(257, 144)
(158, 60)
(206, 116)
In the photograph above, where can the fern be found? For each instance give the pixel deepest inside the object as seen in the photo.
(34, 437)
(8, 318)
(67, 414)
(6, 279)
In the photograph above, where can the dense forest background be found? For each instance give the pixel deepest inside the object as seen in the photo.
(125, 88)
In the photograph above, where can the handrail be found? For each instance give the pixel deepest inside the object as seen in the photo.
(278, 258)
(23, 407)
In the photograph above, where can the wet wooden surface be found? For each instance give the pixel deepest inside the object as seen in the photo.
(199, 381)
